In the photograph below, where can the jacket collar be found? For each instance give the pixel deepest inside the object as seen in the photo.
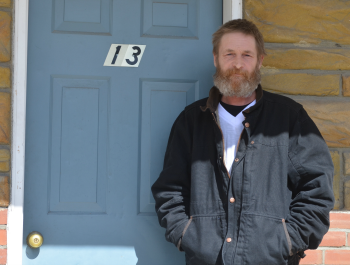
(215, 97)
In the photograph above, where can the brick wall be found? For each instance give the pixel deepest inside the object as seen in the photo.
(335, 246)
(5, 119)
(308, 46)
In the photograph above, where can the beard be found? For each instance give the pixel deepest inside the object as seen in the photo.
(241, 86)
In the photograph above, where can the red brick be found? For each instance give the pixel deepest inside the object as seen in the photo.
(340, 220)
(3, 237)
(3, 256)
(348, 239)
(334, 239)
(3, 217)
(337, 257)
(312, 257)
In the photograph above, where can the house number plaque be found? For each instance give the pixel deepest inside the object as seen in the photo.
(125, 55)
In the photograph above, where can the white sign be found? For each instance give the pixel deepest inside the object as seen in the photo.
(127, 55)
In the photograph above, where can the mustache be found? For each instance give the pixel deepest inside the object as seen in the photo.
(230, 72)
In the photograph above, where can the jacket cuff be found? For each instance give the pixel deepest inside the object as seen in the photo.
(297, 244)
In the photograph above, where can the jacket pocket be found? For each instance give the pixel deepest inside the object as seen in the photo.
(202, 239)
(265, 240)
(288, 237)
(183, 233)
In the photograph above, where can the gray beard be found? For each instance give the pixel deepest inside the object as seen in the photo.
(237, 86)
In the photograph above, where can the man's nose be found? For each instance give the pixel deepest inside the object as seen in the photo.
(237, 63)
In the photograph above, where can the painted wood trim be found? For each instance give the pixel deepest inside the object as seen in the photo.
(15, 210)
(232, 9)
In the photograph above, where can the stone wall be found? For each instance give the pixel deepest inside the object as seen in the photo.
(308, 46)
(5, 118)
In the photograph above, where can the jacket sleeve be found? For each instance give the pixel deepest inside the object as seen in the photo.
(311, 174)
(171, 191)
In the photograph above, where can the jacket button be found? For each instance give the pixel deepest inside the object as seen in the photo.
(228, 240)
(252, 142)
(232, 200)
(220, 157)
(246, 124)
(237, 159)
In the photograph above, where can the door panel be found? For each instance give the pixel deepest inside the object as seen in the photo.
(82, 16)
(158, 96)
(78, 143)
(96, 135)
(170, 18)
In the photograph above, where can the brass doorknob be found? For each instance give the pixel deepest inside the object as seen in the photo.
(35, 240)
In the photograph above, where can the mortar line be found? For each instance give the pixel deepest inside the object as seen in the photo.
(7, 10)
(5, 64)
(339, 230)
(323, 256)
(308, 46)
(265, 70)
(319, 98)
(334, 248)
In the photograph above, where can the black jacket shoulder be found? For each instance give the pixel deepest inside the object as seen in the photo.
(196, 105)
(282, 100)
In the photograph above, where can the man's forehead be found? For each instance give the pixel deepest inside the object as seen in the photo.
(237, 40)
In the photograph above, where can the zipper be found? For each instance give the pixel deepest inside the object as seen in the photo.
(223, 145)
(288, 237)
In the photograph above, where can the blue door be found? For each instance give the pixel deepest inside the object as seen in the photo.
(96, 135)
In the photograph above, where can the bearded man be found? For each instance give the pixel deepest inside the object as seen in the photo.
(247, 176)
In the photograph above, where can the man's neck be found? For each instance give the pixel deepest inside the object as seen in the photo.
(238, 101)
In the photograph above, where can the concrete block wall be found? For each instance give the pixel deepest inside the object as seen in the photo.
(308, 46)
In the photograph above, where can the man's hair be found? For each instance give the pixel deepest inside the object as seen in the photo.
(243, 26)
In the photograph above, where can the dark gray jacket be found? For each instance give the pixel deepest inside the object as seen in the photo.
(281, 182)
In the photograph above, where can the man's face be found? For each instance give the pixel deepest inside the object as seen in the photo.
(238, 67)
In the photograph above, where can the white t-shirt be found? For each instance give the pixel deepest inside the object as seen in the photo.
(232, 128)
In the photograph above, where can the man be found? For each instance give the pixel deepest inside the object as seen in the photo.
(247, 177)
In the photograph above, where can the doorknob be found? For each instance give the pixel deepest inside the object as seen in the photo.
(35, 240)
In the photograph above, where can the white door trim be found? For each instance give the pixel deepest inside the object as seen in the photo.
(15, 210)
(232, 9)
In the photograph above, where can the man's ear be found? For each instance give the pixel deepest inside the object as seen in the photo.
(215, 57)
(261, 59)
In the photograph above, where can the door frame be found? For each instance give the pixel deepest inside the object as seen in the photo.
(19, 81)
(232, 9)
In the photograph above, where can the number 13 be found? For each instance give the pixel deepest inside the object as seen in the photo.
(126, 55)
